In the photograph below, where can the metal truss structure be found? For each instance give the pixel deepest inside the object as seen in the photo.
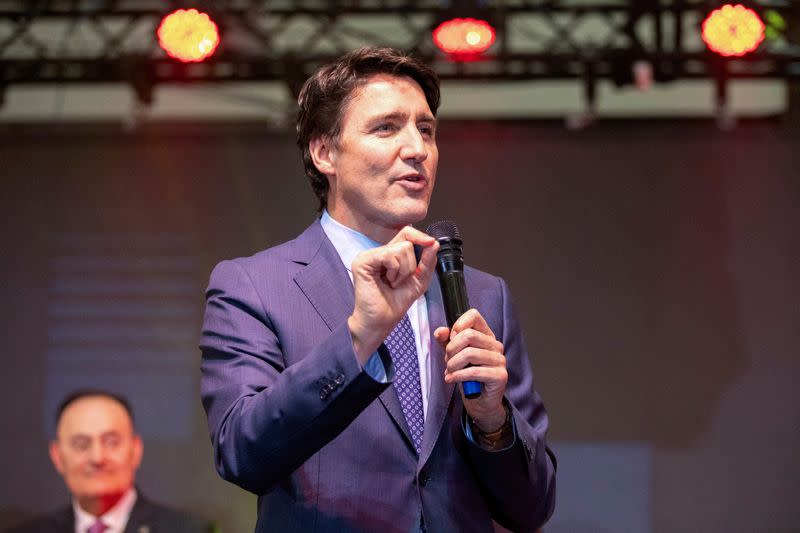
(86, 41)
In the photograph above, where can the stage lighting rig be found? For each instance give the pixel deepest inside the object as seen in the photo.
(286, 40)
(188, 35)
(465, 30)
(733, 30)
(464, 38)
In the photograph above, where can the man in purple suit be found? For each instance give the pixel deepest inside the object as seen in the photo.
(329, 373)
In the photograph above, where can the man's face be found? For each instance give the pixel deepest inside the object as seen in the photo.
(383, 167)
(96, 451)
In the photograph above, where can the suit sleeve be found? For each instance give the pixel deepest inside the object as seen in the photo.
(266, 418)
(519, 481)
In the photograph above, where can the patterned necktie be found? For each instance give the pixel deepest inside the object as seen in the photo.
(97, 527)
(403, 348)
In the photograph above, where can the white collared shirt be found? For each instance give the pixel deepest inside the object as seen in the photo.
(349, 243)
(115, 518)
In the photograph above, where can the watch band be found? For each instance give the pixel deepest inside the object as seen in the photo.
(493, 438)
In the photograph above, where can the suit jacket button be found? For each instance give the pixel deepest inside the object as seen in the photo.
(528, 451)
(424, 479)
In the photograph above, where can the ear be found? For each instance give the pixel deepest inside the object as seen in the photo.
(323, 156)
(138, 451)
(55, 457)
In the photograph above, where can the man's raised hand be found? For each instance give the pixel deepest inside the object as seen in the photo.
(387, 280)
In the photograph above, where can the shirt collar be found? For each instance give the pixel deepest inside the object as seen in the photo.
(115, 518)
(348, 242)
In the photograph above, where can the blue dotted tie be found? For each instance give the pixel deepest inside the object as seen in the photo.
(403, 348)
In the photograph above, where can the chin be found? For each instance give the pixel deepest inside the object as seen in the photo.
(103, 490)
(412, 214)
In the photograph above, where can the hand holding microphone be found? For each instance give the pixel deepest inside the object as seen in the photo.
(450, 269)
(473, 355)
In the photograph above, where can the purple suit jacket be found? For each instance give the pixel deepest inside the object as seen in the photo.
(294, 419)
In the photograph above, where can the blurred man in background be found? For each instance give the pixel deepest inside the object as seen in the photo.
(97, 451)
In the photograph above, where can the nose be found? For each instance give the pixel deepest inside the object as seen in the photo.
(414, 146)
(97, 454)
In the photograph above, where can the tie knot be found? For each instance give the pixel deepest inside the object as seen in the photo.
(97, 527)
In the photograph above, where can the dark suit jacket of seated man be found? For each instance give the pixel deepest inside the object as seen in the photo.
(97, 452)
(330, 378)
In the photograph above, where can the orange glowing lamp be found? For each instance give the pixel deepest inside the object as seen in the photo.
(733, 30)
(464, 37)
(188, 35)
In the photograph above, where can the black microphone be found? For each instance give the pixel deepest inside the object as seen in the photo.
(450, 269)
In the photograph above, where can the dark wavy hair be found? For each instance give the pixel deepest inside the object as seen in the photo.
(325, 95)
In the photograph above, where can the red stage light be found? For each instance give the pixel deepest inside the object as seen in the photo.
(188, 35)
(733, 30)
(464, 36)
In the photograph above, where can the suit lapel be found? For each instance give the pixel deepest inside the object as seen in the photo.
(327, 285)
(391, 402)
(324, 280)
(440, 393)
(139, 520)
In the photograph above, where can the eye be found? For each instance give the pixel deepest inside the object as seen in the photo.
(112, 440)
(385, 127)
(426, 129)
(80, 443)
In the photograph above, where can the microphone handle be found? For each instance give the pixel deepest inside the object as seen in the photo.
(456, 303)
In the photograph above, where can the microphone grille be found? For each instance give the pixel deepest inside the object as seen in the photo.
(443, 228)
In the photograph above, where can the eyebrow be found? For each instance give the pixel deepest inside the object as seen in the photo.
(111, 432)
(78, 439)
(399, 115)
